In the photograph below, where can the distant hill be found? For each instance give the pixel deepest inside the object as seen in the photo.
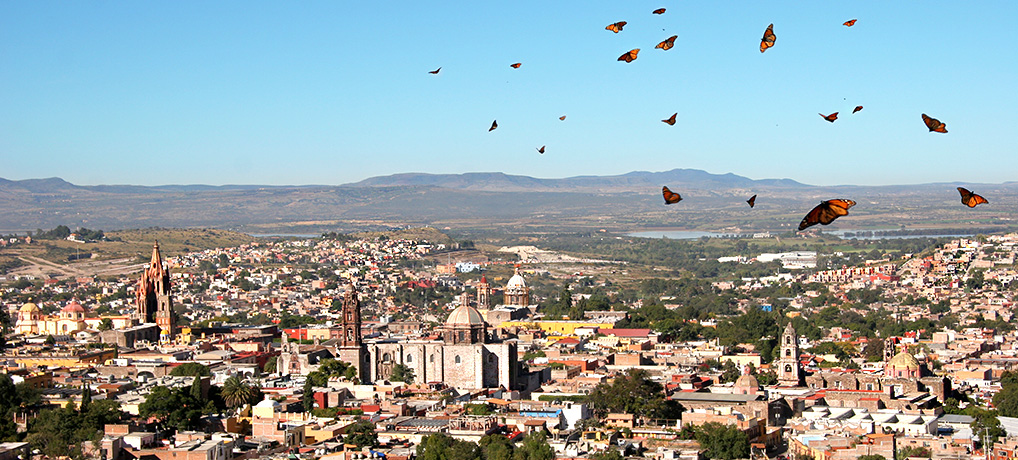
(499, 201)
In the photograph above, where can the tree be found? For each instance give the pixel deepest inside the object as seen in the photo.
(910, 451)
(496, 447)
(872, 457)
(633, 393)
(610, 454)
(722, 441)
(270, 365)
(362, 433)
(176, 408)
(237, 393)
(106, 324)
(401, 373)
(191, 370)
(535, 447)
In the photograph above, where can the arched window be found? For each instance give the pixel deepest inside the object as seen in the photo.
(457, 360)
(386, 358)
(409, 358)
(432, 358)
(788, 352)
(788, 368)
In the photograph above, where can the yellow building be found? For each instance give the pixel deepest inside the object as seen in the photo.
(555, 327)
(71, 319)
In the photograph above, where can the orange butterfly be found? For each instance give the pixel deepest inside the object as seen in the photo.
(671, 120)
(857, 108)
(434, 72)
(831, 117)
(668, 43)
(971, 199)
(849, 23)
(659, 11)
(670, 196)
(541, 150)
(563, 118)
(494, 124)
(768, 38)
(629, 56)
(752, 201)
(516, 65)
(616, 27)
(825, 213)
(934, 124)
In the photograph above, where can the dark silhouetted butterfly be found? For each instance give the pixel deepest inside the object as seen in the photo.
(630, 56)
(668, 43)
(825, 213)
(659, 11)
(671, 120)
(616, 27)
(494, 124)
(541, 150)
(516, 65)
(857, 108)
(934, 124)
(831, 117)
(849, 23)
(563, 118)
(670, 196)
(752, 201)
(768, 38)
(971, 199)
(435, 72)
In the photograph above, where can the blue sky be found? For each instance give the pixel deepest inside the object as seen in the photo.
(315, 92)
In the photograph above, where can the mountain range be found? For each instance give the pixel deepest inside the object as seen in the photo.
(493, 200)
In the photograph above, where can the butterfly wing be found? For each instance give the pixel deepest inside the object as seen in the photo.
(541, 150)
(516, 65)
(831, 117)
(934, 124)
(752, 201)
(659, 11)
(849, 23)
(670, 196)
(857, 108)
(825, 212)
(494, 124)
(630, 56)
(616, 27)
(971, 199)
(668, 43)
(563, 118)
(434, 72)
(671, 120)
(768, 38)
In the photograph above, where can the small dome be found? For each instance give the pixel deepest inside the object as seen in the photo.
(903, 360)
(747, 381)
(73, 307)
(464, 315)
(516, 284)
(29, 307)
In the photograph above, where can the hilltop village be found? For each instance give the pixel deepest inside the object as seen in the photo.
(345, 348)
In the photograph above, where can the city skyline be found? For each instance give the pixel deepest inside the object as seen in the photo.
(321, 93)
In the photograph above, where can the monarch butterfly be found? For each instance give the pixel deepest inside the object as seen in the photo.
(659, 11)
(516, 65)
(849, 23)
(768, 38)
(857, 108)
(934, 124)
(670, 196)
(671, 120)
(629, 56)
(668, 43)
(616, 27)
(831, 117)
(825, 213)
(752, 201)
(541, 150)
(434, 72)
(563, 118)
(494, 124)
(971, 199)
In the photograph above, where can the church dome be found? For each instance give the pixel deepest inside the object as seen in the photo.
(903, 360)
(73, 307)
(29, 307)
(465, 315)
(516, 283)
(747, 381)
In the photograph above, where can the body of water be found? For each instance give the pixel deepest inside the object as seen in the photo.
(675, 234)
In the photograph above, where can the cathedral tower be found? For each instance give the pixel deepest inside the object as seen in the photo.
(483, 294)
(789, 369)
(152, 296)
(351, 347)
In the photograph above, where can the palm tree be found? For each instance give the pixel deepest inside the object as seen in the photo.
(237, 393)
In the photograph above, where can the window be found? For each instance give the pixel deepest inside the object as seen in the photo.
(491, 358)
(409, 358)
(386, 358)
(432, 358)
(457, 359)
(788, 353)
(788, 368)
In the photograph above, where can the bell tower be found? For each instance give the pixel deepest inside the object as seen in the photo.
(789, 369)
(152, 296)
(351, 348)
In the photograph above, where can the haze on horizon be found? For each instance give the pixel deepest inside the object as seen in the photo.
(328, 93)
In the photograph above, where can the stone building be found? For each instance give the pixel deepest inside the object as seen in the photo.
(789, 367)
(152, 296)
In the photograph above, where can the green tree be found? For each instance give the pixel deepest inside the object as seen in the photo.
(722, 441)
(270, 365)
(106, 324)
(237, 393)
(177, 408)
(872, 457)
(633, 393)
(401, 373)
(610, 454)
(534, 447)
(496, 447)
(910, 451)
(362, 433)
(191, 370)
